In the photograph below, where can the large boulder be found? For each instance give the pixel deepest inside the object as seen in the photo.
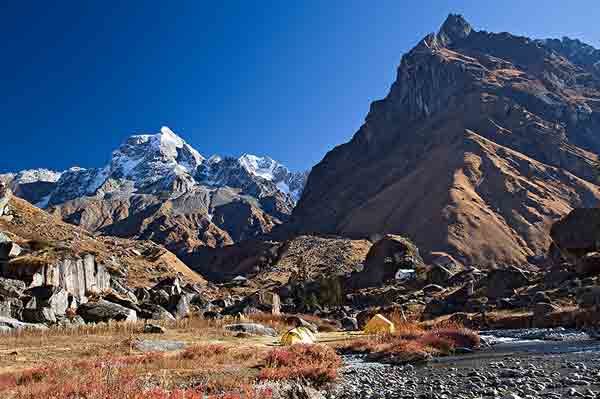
(502, 282)
(104, 311)
(266, 301)
(439, 275)
(171, 285)
(122, 300)
(386, 258)
(152, 311)
(252, 329)
(9, 324)
(182, 307)
(261, 301)
(49, 296)
(11, 307)
(5, 247)
(41, 315)
(589, 296)
(11, 288)
(588, 265)
(578, 233)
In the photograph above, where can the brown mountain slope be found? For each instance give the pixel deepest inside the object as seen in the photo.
(142, 262)
(483, 141)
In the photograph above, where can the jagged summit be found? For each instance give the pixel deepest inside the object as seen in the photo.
(454, 29)
(151, 163)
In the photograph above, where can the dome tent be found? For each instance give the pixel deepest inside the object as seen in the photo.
(298, 335)
(379, 325)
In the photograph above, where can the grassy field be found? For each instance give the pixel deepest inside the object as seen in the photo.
(101, 361)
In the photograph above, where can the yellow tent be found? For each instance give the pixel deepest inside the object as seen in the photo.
(379, 325)
(298, 335)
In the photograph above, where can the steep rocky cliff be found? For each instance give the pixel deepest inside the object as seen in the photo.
(483, 140)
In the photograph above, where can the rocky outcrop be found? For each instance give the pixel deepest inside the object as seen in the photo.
(51, 247)
(5, 194)
(386, 258)
(578, 233)
(77, 276)
(502, 282)
(483, 141)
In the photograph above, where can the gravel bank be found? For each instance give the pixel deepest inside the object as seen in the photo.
(511, 370)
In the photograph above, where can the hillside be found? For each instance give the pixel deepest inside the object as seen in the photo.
(483, 141)
(142, 263)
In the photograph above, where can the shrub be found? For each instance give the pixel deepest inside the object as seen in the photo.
(317, 364)
(460, 338)
(411, 342)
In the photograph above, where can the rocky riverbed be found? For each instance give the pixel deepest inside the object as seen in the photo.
(546, 364)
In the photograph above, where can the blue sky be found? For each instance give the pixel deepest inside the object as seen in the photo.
(287, 79)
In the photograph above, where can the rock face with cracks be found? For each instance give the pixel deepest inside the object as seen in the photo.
(484, 140)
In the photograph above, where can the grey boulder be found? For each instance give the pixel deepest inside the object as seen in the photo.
(14, 324)
(252, 329)
(41, 315)
(154, 329)
(350, 324)
(151, 311)
(11, 288)
(53, 297)
(104, 311)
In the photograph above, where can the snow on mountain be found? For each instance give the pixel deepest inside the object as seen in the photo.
(36, 175)
(287, 182)
(159, 163)
(264, 167)
(162, 150)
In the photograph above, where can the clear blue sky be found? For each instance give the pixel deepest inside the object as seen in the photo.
(287, 79)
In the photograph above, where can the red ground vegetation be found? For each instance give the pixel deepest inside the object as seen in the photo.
(317, 364)
(411, 342)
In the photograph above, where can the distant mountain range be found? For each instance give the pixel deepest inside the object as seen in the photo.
(156, 186)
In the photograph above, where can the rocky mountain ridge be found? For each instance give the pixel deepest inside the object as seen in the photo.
(483, 141)
(157, 187)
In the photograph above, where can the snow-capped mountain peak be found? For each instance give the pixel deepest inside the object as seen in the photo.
(164, 162)
(161, 150)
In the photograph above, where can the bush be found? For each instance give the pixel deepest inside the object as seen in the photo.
(411, 342)
(317, 364)
(459, 337)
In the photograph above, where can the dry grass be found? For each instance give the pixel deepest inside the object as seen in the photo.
(200, 327)
(29, 348)
(211, 370)
(100, 361)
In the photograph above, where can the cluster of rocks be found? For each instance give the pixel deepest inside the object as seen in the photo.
(508, 377)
